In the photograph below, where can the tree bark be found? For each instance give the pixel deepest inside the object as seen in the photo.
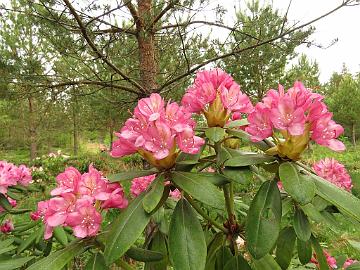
(32, 129)
(146, 42)
(353, 133)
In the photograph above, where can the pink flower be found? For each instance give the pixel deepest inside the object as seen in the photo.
(175, 194)
(59, 208)
(7, 226)
(116, 197)
(325, 131)
(151, 107)
(216, 95)
(140, 184)
(11, 175)
(92, 184)
(154, 130)
(35, 215)
(24, 175)
(349, 262)
(260, 126)
(331, 261)
(333, 171)
(85, 220)
(286, 116)
(67, 181)
(297, 115)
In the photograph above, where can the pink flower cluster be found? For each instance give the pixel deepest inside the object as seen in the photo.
(156, 129)
(11, 175)
(333, 171)
(331, 261)
(7, 226)
(295, 112)
(215, 92)
(140, 184)
(78, 202)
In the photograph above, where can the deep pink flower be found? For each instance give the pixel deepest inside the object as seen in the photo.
(333, 171)
(92, 184)
(116, 197)
(260, 126)
(217, 95)
(67, 181)
(24, 175)
(85, 220)
(140, 184)
(7, 226)
(154, 130)
(331, 261)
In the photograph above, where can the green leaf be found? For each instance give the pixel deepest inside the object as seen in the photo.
(126, 176)
(6, 243)
(144, 255)
(299, 186)
(14, 263)
(266, 263)
(285, 246)
(237, 174)
(60, 235)
(5, 203)
(29, 241)
(213, 247)
(237, 123)
(301, 225)
(237, 263)
(319, 254)
(215, 134)
(125, 230)
(158, 244)
(199, 187)
(154, 194)
(264, 217)
(58, 259)
(25, 227)
(96, 262)
(304, 251)
(187, 244)
(223, 255)
(343, 200)
(248, 159)
(6, 249)
(246, 137)
(185, 162)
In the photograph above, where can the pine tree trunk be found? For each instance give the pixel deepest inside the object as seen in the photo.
(145, 38)
(353, 133)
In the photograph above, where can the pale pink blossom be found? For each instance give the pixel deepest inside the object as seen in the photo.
(85, 220)
(7, 226)
(140, 184)
(151, 107)
(175, 194)
(11, 175)
(333, 171)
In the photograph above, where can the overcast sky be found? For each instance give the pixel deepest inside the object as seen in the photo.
(344, 24)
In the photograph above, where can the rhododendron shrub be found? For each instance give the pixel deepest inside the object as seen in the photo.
(206, 202)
